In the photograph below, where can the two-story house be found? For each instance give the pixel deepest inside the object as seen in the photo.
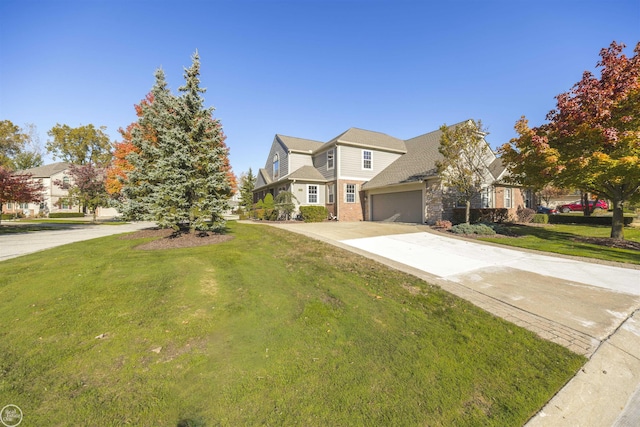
(55, 198)
(365, 175)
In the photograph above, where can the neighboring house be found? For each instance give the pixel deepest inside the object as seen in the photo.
(55, 198)
(364, 175)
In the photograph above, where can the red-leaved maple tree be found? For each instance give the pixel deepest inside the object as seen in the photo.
(592, 140)
(19, 188)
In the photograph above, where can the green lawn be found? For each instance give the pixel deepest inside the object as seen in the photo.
(270, 328)
(561, 239)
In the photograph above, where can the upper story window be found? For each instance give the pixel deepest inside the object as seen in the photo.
(330, 159)
(65, 181)
(367, 159)
(276, 166)
(312, 194)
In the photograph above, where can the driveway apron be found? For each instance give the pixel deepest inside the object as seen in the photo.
(589, 307)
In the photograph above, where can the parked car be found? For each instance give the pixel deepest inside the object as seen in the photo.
(577, 206)
(546, 210)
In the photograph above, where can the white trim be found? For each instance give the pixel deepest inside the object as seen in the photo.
(510, 198)
(333, 159)
(317, 194)
(355, 193)
(362, 160)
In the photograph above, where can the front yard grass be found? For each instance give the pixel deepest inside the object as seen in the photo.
(565, 239)
(270, 328)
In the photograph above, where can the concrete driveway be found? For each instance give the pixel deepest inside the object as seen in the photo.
(590, 307)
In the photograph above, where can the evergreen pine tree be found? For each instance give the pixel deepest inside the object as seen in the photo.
(247, 184)
(181, 168)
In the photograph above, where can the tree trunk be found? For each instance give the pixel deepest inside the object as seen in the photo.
(585, 204)
(0, 213)
(617, 221)
(467, 211)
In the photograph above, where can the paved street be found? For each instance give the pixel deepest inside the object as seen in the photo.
(18, 244)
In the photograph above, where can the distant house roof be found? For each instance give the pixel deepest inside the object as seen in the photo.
(367, 138)
(46, 171)
(299, 144)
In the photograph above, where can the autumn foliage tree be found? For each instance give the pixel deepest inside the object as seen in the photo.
(87, 186)
(19, 188)
(592, 138)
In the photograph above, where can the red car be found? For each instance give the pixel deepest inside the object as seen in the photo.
(577, 206)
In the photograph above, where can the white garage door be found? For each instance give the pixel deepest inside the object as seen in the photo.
(405, 206)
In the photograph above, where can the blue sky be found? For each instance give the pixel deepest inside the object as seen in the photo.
(305, 68)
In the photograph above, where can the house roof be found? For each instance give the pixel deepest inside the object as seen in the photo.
(497, 168)
(265, 176)
(299, 144)
(306, 173)
(367, 138)
(418, 164)
(46, 171)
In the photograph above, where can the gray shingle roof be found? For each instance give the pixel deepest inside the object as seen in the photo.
(307, 173)
(497, 168)
(418, 164)
(299, 144)
(367, 138)
(46, 171)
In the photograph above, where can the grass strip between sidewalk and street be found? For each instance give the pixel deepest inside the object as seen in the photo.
(269, 328)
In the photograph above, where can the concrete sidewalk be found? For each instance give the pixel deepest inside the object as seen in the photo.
(591, 308)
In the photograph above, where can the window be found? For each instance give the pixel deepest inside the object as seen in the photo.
(65, 181)
(350, 193)
(330, 159)
(367, 159)
(276, 166)
(507, 198)
(312, 194)
(485, 198)
(330, 194)
(9, 206)
(24, 205)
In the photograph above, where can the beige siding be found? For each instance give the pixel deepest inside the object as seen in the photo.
(296, 161)
(350, 159)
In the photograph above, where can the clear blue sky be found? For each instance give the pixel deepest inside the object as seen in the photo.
(306, 68)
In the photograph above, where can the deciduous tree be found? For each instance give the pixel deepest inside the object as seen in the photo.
(592, 139)
(81, 145)
(463, 166)
(19, 149)
(19, 188)
(87, 186)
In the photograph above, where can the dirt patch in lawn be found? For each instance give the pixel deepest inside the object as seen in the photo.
(170, 239)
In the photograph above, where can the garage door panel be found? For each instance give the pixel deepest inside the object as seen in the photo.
(405, 206)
